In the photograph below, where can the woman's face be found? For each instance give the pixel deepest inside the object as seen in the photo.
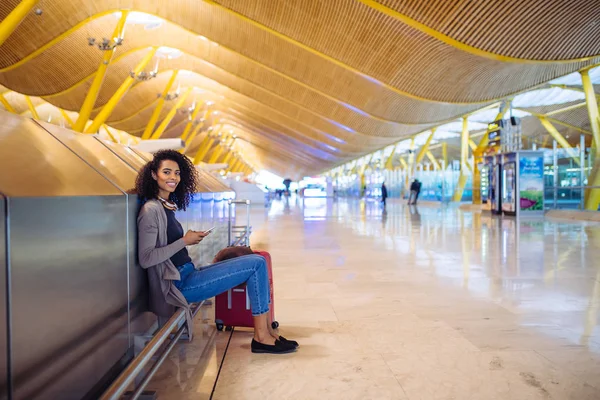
(167, 177)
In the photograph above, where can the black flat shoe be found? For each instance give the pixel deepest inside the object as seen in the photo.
(292, 342)
(278, 348)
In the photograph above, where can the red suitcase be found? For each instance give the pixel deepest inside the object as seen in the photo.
(232, 308)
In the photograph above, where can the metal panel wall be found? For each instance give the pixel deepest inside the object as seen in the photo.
(3, 304)
(69, 293)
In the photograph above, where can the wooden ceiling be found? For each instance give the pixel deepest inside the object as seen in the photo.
(307, 84)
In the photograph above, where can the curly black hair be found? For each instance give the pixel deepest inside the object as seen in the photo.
(147, 188)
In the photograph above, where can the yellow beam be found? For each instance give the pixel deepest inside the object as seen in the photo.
(159, 106)
(464, 155)
(109, 107)
(66, 117)
(14, 19)
(191, 137)
(6, 104)
(456, 43)
(472, 145)
(114, 139)
(228, 157)
(556, 121)
(190, 123)
(592, 196)
(425, 147)
(205, 146)
(94, 90)
(165, 122)
(435, 162)
(404, 163)
(34, 113)
(214, 157)
(203, 121)
(565, 109)
(390, 161)
(560, 139)
(572, 88)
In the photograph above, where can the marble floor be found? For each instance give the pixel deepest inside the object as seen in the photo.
(424, 303)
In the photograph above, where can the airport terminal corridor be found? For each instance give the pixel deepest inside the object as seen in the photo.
(412, 303)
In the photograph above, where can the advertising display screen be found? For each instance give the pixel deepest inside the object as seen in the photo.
(531, 182)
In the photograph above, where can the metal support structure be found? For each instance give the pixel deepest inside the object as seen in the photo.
(165, 122)
(109, 107)
(190, 139)
(205, 146)
(159, 106)
(425, 147)
(34, 113)
(110, 134)
(14, 19)
(592, 195)
(6, 104)
(389, 164)
(464, 155)
(436, 164)
(66, 117)
(94, 90)
(190, 123)
(559, 139)
(214, 157)
(472, 145)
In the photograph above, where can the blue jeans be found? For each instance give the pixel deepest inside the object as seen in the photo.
(197, 285)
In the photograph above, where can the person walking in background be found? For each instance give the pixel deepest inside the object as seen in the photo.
(415, 189)
(384, 194)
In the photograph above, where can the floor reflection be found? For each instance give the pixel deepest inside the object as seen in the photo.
(422, 302)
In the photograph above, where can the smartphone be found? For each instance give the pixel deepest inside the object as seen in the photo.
(210, 230)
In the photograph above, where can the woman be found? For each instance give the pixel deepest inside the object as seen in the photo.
(167, 184)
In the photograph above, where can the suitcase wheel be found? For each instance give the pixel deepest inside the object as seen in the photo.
(219, 327)
(274, 324)
(229, 328)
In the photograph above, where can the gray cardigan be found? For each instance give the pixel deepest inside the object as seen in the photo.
(154, 254)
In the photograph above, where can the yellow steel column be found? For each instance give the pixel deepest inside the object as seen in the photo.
(165, 122)
(228, 150)
(205, 146)
(190, 123)
(6, 104)
(464, 155)
(66, 117)
(560, 139)
(159, 106)
(109, 107)
(592, 196)
(190, 139)
(114, 139)
(217, 151)
(436, 164)
(425, 147)
(16, 16)
(34, 113)
(389, 164)
(92, 94)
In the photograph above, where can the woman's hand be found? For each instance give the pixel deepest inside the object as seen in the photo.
(193, 237)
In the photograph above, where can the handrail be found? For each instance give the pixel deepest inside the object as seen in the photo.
(239, 201)
(126, 378)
